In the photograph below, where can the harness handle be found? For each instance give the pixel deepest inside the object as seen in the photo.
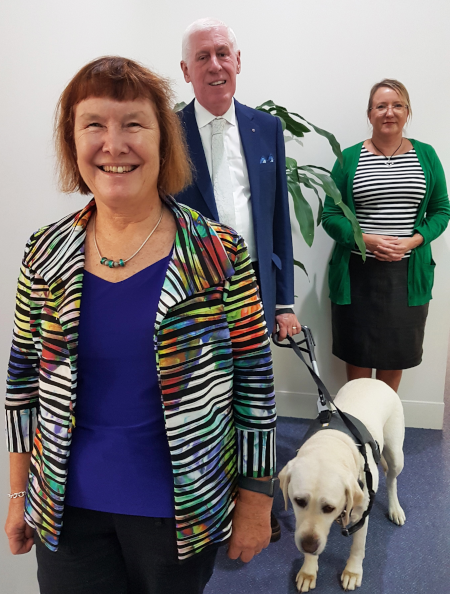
(325, 404)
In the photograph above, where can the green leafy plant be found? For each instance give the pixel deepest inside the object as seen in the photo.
(312, 177)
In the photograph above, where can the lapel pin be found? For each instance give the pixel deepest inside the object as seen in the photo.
(262, 160)
(253, 130)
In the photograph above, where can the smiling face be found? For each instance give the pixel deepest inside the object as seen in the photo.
(389, 112)
(117, 145)
(212, 68)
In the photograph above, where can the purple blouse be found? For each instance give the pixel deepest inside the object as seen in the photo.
(119, 459)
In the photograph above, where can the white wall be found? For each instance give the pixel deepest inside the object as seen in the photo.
(318, 58)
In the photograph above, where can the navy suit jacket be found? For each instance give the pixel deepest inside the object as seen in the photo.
(263, 144)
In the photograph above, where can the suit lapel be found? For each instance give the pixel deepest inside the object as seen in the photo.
(250, 137)
(197, 154)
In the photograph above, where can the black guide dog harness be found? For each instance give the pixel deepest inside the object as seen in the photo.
(330, 417)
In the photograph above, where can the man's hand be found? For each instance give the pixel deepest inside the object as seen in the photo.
(19, 533)
(286, 324)
(251, 529)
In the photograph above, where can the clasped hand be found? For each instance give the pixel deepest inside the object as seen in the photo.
(388, 248)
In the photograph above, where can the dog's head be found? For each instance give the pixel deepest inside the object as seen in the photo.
(320, 492)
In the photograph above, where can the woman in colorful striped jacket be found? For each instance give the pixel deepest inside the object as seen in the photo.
(140, 404)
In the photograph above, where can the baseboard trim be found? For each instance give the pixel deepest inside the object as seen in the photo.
(420, 415)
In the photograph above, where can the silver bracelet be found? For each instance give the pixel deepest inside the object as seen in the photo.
(16, 495)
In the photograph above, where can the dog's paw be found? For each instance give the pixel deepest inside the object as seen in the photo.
(305, 581)
(351, 580)
(397, 515)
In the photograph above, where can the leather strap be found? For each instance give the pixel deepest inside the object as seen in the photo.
(265, 487)
(284, 310)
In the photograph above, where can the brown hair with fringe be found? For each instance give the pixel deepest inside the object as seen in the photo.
(396, 86)
(121, 79)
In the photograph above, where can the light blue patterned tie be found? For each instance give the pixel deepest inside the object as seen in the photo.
(221, 179)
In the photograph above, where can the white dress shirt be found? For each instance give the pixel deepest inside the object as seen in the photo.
(238, 169)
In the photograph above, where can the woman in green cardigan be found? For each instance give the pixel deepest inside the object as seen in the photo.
(396, 187)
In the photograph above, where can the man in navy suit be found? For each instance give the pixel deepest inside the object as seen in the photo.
(250, 194)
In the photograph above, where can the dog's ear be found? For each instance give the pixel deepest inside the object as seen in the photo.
(285, 478)
(354, 496)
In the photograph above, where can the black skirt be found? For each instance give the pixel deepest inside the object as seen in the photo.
(378, 329)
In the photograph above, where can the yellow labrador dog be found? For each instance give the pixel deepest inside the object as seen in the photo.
(323, 480)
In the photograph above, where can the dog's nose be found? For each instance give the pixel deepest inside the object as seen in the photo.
(310, 544)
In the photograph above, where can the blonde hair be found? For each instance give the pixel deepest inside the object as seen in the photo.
(121, 79)
(396, 86)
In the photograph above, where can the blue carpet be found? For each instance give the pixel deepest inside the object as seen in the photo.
(412, 559)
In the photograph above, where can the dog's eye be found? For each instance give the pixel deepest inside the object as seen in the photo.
(301, 502)
(328, 509)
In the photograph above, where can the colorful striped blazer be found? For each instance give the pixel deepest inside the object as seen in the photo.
(213, 360)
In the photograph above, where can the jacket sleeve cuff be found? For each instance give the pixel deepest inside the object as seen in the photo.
(20, 429)
(256, 452)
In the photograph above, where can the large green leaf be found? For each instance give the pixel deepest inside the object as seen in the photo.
(304, 179)
(317, 167)
(319, 212)
(326, 182)
(291, 165)
(298, 129)
(300, 265)
(303, 211)
(357, 233)
(295, 128)
(283, 123)
(294, 138)
(335, 146)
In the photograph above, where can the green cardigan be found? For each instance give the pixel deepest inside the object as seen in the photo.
(432, 219)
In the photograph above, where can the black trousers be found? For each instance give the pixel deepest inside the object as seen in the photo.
(103, 553)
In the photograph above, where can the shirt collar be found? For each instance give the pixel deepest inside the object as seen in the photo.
(204, 117)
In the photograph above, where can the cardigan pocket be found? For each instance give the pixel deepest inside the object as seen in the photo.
(428, 279)
(334, 281)
(339, 278)
(420, 276)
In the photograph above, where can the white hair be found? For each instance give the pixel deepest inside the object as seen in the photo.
(204, 25)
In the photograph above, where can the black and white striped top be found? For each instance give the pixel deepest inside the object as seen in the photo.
(387, 197)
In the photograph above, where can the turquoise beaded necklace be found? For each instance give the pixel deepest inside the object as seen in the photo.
(116, 264)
